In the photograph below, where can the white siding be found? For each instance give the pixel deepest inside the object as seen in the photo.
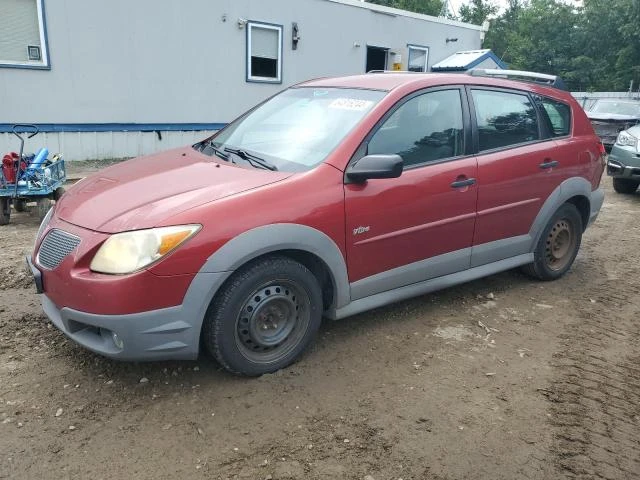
(101, 145)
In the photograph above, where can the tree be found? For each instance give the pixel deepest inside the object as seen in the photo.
(595, 46)
(427, 7)
(504, 28)
(477, 11)
(592, 45)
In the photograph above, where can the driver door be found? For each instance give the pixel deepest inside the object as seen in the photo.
(418, 226)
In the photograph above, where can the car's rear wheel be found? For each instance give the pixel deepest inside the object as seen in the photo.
(558, 245)
(624, 185)
(5, 211)
(264, 317)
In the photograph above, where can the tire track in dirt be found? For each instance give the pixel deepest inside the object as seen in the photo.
(595, 392)
(595, 404)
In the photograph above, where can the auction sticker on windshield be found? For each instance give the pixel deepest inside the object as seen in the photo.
(351, 104)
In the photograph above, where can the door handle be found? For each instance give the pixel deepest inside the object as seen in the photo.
(463, 183)
(548, 163)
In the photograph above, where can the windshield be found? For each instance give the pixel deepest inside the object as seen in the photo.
(620, 108)
(297, 129)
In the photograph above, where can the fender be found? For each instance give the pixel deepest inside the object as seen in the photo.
(254, 243)
(571, 187)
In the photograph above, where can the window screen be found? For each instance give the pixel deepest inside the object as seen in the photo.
(264, 62)
(424, 129)
(504, 119)
(558, 116)
(418, 59)
(20, 31)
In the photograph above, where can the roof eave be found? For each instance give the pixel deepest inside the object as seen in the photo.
(405, 13)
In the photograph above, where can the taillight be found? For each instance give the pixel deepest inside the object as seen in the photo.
(602, 150)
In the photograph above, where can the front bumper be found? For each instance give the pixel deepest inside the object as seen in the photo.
(624, 162)
(37, 275)
(171, 333)
(163, 334)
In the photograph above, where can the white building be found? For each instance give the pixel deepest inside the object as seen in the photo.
(121, 77)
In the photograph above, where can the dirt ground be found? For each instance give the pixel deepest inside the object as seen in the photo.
(502, 378)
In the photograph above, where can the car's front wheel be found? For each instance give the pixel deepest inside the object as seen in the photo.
(558, 245)
(625, 185)
(264, 317)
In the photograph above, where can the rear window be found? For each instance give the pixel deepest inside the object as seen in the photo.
(557, 115)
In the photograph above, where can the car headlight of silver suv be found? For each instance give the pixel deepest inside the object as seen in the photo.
(129, 252)
(625, 139)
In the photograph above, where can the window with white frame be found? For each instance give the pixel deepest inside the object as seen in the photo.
(418, 58)
(22, 34)
(264, 52)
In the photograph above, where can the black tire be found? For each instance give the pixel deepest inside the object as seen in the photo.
(5, 211)
(42, 207)
(625, 185)
(58, 193)
(264, 317)
(558, 245)
(20, 205)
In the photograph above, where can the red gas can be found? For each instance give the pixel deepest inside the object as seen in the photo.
(9, 163)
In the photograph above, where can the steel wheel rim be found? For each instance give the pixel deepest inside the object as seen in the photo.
(561, 242)
(272, 321)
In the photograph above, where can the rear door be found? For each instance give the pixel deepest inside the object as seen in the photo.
(518, 168)
(420, 225)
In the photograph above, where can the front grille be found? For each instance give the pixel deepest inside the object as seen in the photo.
(55, 247)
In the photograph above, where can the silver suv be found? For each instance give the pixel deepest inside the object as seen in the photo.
(624, 161)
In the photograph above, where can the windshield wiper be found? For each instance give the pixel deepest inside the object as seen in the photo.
(217, 151)
(254, 160)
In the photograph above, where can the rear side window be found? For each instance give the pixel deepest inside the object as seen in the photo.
(425, 129)
(558, 115)
(504, 119)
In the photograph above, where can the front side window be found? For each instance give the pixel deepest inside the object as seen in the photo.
(424, 129)
(418, 58)
(504, 119)
(264, 53)
(558, 116)
(22, 34)
(297, 129)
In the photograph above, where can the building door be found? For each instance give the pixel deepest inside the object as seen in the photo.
(376, 58)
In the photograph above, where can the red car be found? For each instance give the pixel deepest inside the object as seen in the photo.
(331, 198)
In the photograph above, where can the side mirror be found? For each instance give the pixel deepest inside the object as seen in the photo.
(375, 166)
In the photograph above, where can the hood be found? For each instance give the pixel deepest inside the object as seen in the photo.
(612, 117)
(142, 192)
(635, 131)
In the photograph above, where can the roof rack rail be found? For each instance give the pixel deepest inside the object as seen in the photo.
(541, 78)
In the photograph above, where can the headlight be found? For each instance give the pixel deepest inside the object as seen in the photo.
(627, 140)
(128, 252)
(43, 225)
